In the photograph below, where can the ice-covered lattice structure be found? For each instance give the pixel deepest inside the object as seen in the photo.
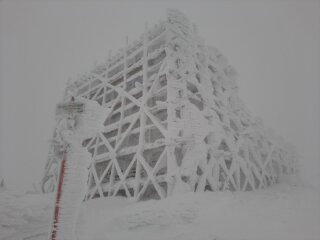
(176, 122)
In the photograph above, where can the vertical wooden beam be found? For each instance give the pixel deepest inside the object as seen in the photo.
(172, 167)
(123, 102)
(142, 113)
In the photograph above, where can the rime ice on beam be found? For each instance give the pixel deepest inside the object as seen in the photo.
(176, 121)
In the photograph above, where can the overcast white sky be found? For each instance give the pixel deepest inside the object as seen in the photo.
(274, 45)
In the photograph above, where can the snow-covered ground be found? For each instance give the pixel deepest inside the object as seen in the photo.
(24, 216)
(284, 211)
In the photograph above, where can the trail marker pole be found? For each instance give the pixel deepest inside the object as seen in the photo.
(66, 110)
(53, 233)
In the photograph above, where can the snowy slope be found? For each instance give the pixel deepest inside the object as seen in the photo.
(24, 216)
(283, 211)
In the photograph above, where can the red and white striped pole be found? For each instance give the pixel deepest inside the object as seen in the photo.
(70, 109)
(53, 234)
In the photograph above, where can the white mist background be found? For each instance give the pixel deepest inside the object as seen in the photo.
(274, 46)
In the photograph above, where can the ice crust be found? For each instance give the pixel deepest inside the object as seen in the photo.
(177, 95)
(73, 129)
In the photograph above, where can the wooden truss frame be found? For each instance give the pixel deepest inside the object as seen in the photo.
(239, 154)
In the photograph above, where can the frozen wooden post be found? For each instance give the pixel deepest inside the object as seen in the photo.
(53, 233)
(66, 111)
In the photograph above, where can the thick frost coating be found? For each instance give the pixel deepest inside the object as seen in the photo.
(90, 122)
(176, 122)
(70, 132)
